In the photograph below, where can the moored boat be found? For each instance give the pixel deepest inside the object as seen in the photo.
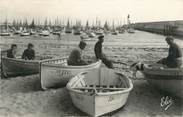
(91, 34)
(25, 34)
(167, 80)
(76, 32)
(44, 33)
(100, 94)
(114, 32)
(131, 30)
(5, 34)
(56, 72)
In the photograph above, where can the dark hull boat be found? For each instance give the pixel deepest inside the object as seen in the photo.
(168, 80)
(19, 67)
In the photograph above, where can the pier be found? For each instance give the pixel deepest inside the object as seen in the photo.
(174, 28)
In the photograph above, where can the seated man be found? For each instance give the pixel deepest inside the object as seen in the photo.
(99, 54)
(11, 53)
(29, 53)
(75, 55)
(174, 58)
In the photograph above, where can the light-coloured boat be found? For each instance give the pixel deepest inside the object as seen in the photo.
(25, 34)
(131, 30)
(91, 34)
(44, 33)
(98, 93)
(168, 80)
(19, 67)
(5, 34)
(56, 72)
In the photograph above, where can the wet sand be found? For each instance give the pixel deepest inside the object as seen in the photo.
(23, 96)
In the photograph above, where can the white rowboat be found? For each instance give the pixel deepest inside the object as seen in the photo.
(56, 72)
(99, 94)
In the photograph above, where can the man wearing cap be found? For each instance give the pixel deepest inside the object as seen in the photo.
(174, 58)
(29, 53)
(11, 53)
(75, 55)
(99, 54)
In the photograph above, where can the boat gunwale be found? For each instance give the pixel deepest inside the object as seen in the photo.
(25, 61)
(127, 90)
(20, 60)
(44, 63)
(163, 72)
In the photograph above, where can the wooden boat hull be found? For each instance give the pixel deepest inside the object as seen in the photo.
(56, 73)
(17, 67)
(100, 103)
(5, 34)
(25, 34)
(168, 80)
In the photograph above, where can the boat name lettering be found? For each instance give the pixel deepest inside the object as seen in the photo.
(166, 102)
(63, 72)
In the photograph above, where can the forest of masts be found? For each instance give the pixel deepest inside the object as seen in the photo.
(33, 24)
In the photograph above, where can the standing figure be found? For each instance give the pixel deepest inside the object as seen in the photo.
(11, 53)
(29, 53)
(99, 54)
(75, 58)
(174, 58)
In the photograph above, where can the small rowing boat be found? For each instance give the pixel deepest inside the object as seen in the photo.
(19, 67)
(5, 34)
(25, 34)
(99, 93)
(167, 80)
(56, 72)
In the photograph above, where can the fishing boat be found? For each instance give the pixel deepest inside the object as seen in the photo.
(99, 93)
(99, 32)
(91, 35)
(68, 28)
(131, 30)
(56, 73)
(5, 33)
(167, 80)
(85, 37)
(76, 32)
(114, 32)
(32, 32)
(17, 32)
(19, 67)
(25, 33)
(122, 31)
(44, 33)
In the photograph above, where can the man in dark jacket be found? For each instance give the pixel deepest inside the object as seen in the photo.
(12, 52)
(99, 54)
(29, 53)
(174, 58)
(75, 58)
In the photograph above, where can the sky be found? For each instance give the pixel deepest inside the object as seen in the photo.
(110, 10)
